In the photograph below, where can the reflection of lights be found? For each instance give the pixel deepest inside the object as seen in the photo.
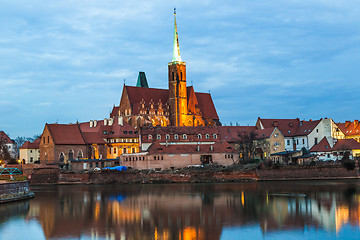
(341, 216)
(161, 236)
(242, 198)
(191, 233)
(97, 211)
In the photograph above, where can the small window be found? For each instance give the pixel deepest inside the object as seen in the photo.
(149, 137)
(176, 137)
(207, 136)
(162, 157)
(199, 136)
(48, 139)
(184, 136)
(317, 130)
(288, 142)
(112, 132)
(154, 157)
(130, 132)
(105, 132)
(214, 136)
(30, 151)
(158, 137)
(167, 137)
(303, 141)
(125, 132)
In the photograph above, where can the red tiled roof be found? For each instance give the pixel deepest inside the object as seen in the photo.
(291, 127)
(350, 128)
(5, 137)
(322, 146)
(191, 132)
(31, 145)
(93, 138)
(346, 144)
(206, 105)
(264, 133)
(218, 147)
(114, 112)
(66, 134)
(137, 94)
(231, 133)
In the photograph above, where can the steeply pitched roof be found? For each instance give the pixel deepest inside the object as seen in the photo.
(322, 146)
(218, 147)
(350, 128)
(346, 144)
(5, 137)
(231, 133)
(68, 134)
(31, 145)
(142, 82)
(137, 94)
(291, 127)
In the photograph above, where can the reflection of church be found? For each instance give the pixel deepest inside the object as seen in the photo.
(177, 106)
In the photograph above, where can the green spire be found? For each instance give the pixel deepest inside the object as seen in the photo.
(176, 50)
(142, 82)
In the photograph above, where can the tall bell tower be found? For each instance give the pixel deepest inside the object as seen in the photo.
(177, 84)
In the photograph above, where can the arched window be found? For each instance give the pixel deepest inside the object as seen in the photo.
(80, 155)
(176, 137)
(62, 157)
(167, 137)
(207, 136)
(214, 136)
(71, 154)
(199, 136)
(158, 137)
(184, 136)
(149, 137)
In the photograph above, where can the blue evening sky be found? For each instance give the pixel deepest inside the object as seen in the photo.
(66, 60)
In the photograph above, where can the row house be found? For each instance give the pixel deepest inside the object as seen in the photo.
(325, 152)
(347, 130)
(170, 156)
(105, 139)
(298, 133)
(30, 152)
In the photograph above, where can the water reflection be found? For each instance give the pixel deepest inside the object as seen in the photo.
(187, 212)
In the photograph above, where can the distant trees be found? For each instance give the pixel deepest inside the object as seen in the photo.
(21, 140)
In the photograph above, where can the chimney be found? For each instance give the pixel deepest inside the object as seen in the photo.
(121, 121)
(95, 123)
(91, 123)
(105, 121)
(111, 121)
(356, 123)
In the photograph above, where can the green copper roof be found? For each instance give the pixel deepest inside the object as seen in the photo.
(176, 50)
(142, 82)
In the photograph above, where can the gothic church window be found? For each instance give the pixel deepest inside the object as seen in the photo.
(62, 157)
(80, 155)
(71, 154)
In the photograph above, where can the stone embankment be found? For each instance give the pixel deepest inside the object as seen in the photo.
(12, 191)
(195, 175)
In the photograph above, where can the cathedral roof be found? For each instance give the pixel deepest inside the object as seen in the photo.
(137, 94)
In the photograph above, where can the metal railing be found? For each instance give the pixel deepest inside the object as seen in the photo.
(10, 171)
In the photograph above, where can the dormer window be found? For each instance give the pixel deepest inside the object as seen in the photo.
(105, 132)
(130, 132)
(125, 132)
(112, 132)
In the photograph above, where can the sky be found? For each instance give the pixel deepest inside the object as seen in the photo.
(66, 60)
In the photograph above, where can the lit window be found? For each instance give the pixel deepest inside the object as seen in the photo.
(149, 137)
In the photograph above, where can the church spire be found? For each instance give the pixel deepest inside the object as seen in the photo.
(176, 50)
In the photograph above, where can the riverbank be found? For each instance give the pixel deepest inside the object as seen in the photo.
(210, 174)
(14, 191)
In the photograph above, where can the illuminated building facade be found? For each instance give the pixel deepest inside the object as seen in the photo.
(179, 105)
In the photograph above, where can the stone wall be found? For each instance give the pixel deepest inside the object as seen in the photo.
(314, 172)
(13, 188)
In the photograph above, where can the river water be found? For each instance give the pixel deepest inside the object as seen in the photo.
(266, 210)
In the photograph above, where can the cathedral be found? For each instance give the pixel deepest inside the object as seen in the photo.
(179, 105)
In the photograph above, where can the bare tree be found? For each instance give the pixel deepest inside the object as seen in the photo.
(4, 150)
(247, 145)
